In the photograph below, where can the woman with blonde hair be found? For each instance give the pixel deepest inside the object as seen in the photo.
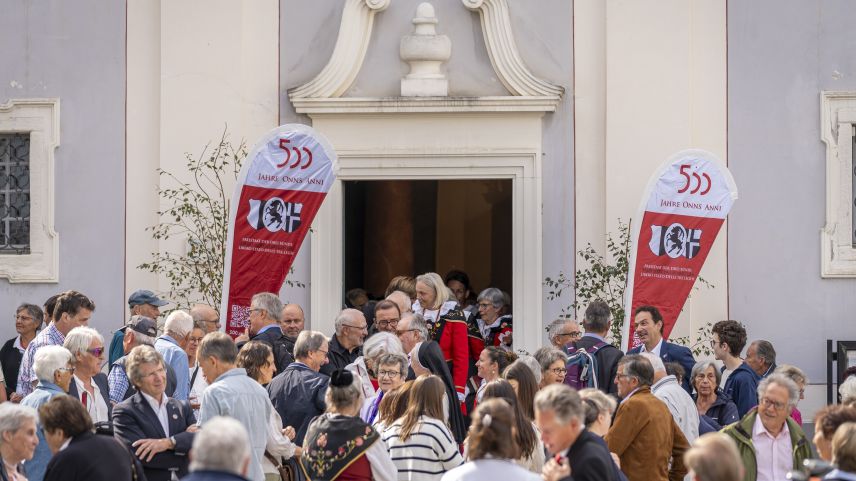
(490, 452)
(447, 325)
(422, 443)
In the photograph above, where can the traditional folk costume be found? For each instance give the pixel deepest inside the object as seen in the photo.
(344, 448)
(448, 327)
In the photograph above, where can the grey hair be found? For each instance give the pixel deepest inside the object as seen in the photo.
(847, 389)
(33, 310)
(794, 373)
(548, 355)
(141, 339)
(556, 326)
(219, 346)
(656, 362)
(381, 343)
(701, 367)
(222, 444)
(781, 380)
(596, 318)
(493, 295)
(80, 338)
(179, 323)
(533, 365)
(639, 367)
(13, 416)
(562, 400)
(137, 357)
(766, 351)
(308, 341)
(343, 317)
(418, 323)
(48, 359)
(268, 302)
(341, 398)
(441, 292)
(391, 358)
(604, 403)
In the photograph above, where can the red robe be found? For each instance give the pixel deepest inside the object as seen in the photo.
(450, 332)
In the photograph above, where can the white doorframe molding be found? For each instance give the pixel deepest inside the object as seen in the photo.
(376, 161)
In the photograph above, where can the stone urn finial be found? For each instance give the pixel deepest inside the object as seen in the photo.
(425, 52)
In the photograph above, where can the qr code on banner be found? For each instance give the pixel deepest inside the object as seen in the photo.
(240, 316)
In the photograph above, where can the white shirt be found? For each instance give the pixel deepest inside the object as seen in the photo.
(656, 350)
(681, 406)
(94, 403)
(17, 344)
(160, 411)
(489, 470)
(772, 454)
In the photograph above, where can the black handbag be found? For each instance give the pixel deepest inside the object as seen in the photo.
(286, 472)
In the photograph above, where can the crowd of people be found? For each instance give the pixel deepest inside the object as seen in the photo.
(420, 385)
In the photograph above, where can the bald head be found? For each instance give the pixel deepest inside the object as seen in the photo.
(293, 320)
(207, 316)
(402, 300)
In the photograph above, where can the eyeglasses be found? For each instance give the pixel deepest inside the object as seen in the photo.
(23, 318)
(391, 323)
(65, 369)
(714, 343)
(362, 328)
(559, 371)
(195, 339)
(485, 305)
(624, 376)
(401, 333)
(321, 350)
(778, 406)
(389, 374)
(571, 334)
(216, 322)
(97, 352)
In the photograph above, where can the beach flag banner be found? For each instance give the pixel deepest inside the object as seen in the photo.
(281, 186)
(683, 208)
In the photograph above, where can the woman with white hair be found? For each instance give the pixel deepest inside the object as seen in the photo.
(365, 367)
(53, 368)
(89, 384)
(447, 325)
(18, 439)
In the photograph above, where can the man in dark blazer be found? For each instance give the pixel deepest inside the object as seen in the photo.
(559, 415)
(649, 328)
(158, 429)
(298, 392)
(265, 314)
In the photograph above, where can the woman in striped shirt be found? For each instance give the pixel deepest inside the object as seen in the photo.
(420, 444)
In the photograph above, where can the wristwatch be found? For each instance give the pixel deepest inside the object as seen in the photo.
(172, 440)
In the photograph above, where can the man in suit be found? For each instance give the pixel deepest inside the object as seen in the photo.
(158, 429)
(606, 356)
(560, 417)
(265, 312)
(644, 435)
(649, 328)
(298, 392)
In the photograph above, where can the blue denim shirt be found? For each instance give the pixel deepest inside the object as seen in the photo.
(43, 392)
(175, 356)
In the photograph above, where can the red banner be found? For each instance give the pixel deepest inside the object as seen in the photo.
(684, 206)
(280, 188)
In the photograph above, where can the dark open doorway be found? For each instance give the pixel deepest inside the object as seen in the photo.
(407, 227)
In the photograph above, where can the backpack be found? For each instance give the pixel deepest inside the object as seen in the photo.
(582, 366)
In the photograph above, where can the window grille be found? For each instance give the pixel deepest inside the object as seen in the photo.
(14, 194)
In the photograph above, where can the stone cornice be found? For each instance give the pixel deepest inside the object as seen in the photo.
(426, 104)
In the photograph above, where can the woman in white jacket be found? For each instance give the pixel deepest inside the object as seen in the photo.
(365, 367)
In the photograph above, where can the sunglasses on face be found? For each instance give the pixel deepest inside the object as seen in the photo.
(97, 352)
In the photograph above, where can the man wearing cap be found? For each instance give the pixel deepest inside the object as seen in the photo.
(141, 303)
(139, 331)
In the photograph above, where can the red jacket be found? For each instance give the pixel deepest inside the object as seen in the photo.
(450, 332)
